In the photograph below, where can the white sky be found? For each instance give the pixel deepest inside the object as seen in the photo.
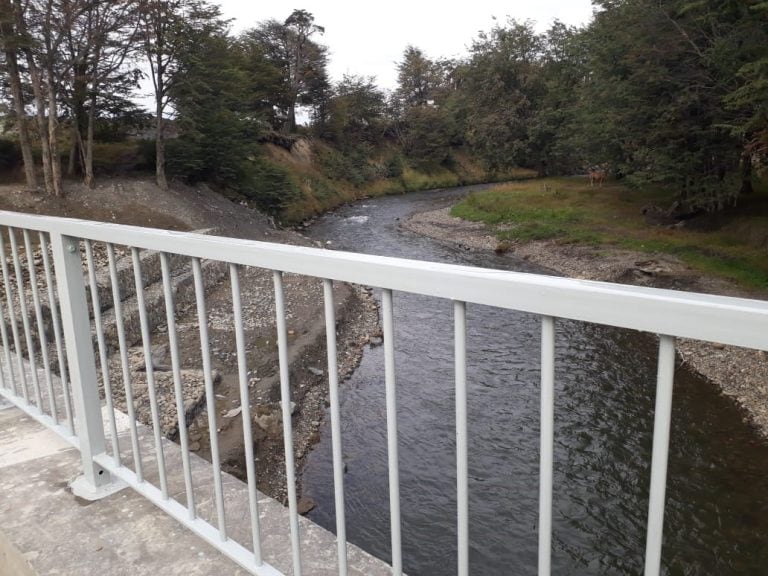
(368, 38)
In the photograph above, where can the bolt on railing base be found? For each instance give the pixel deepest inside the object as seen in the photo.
(82, 488)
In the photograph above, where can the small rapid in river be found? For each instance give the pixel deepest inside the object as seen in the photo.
(717, 494)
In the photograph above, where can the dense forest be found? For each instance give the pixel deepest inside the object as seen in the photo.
(670, 93)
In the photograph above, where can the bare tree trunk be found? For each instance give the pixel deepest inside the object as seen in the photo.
(290, 126)
(18, 106)
(17, 97)
(162, 181)
(40, 105)
(90, 180)
(42, 127)
(53, 137)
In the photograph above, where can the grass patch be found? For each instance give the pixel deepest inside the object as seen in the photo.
(568, 210)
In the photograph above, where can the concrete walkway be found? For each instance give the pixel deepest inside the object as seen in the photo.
(46, 530)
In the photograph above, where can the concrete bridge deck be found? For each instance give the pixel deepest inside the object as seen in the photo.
(46, 530)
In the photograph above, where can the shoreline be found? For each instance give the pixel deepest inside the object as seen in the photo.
(739, 373)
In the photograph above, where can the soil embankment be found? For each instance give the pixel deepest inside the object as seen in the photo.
(139, 202)
(739, 373)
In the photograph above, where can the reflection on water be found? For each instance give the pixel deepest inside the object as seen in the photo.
(717, 513)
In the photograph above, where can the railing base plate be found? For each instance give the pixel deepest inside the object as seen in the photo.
(83, 489)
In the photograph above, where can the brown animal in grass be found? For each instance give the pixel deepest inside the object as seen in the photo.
(597, 176)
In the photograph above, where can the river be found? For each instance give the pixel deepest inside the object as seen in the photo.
(717, 496)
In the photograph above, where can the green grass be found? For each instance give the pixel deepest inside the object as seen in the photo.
(568, 210)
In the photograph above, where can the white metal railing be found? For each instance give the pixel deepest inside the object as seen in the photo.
(670, 314)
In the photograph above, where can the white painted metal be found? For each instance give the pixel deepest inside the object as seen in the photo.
(96, 305)
(661, 426)
(210, 397)
(13, 321)
(333, 396)
(720, 319)
(173, 344)
(736, 321)
(245, 407)
(11, 384)
(285, 400)
(206, 531)
(117, 303)
(40, 328)
(12, 318)
(77, 334)
(547, 443)
(54, 307)
(25, 318)
(150, 371)
(60, 429)
(387, 313)
(462, 444)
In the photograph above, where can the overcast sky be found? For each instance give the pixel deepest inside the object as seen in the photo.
(368, 38)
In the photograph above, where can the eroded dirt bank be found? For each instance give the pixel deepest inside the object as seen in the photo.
(739, 373)
(139, 202)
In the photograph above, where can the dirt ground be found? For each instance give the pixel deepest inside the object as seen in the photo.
(740, 374)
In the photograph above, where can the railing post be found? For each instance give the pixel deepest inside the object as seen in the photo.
(76, 323)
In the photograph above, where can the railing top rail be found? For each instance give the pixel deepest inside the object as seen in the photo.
(728, 320)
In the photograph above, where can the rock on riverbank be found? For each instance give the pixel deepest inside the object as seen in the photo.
(739, 373)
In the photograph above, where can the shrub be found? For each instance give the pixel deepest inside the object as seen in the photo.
(268, 185)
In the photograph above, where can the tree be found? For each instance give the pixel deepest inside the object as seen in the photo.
(355, 112)
(417, 78)
(289, 47)
(40, 25)
(502, 87)
(210, 100)
(165, 26)
(10, 46)
(107, 32)
(661, 74)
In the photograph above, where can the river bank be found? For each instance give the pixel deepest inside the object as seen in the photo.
(136, 201)
(739, 373)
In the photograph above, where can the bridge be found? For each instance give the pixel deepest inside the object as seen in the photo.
(67, 372)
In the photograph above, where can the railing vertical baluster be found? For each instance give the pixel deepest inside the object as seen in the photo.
(392, 450)
(25, 318)
(40, 327)
(3, 329)
(117, 304)
(96, 305)
(245, 405)
(661, 427)
(285, 397)
(52, 303)
(333, 396)
(462, 448)
(547, 443)
(11, 385)
(82, 363)
(13, 320)
(150, 372)
(210, 396)
(173, 344)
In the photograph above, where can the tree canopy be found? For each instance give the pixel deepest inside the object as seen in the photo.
(672, 93)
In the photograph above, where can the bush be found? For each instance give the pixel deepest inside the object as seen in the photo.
(10, 155)
(268, 185)
(395, 166)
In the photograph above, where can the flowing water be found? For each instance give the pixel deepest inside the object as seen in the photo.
(717, 496)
